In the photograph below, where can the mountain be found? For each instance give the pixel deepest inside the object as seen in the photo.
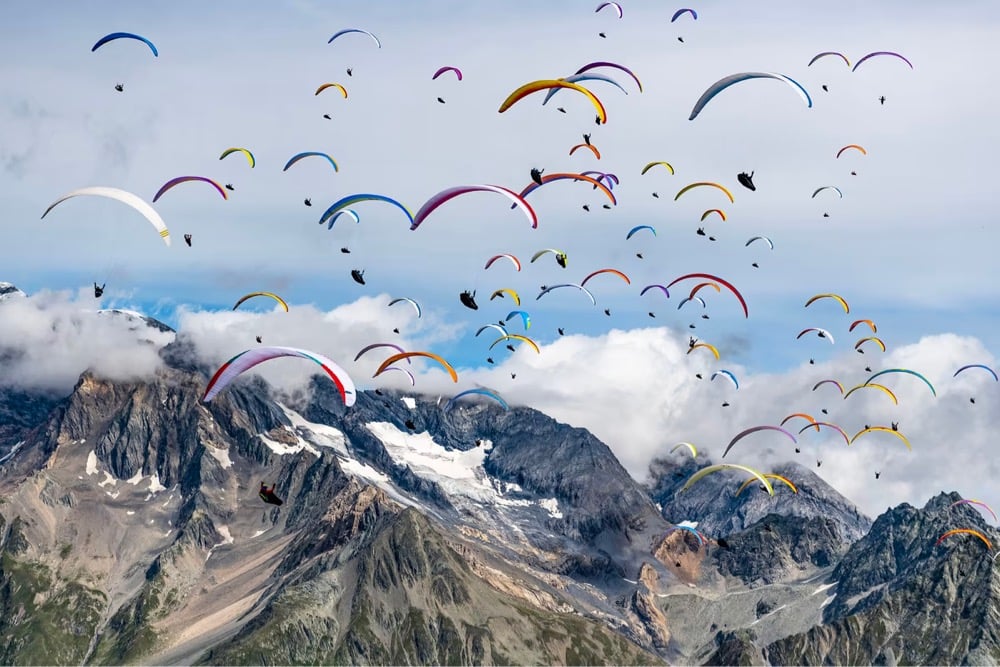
(131, 531)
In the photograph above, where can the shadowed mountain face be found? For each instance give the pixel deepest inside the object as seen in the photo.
(131, 531)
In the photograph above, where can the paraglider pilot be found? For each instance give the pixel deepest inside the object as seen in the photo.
(468, 299)
(358, 275)
(268, 495)
(98, 291)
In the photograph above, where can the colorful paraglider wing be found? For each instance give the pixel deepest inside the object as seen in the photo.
(787, 482)
(685, 10)
(506, 290)
(638, 228)
(836, 384)
(435, 201)
(662, 288)
(132, 200)
(904, 370)
(519, 337)
(691, 448)
(246, 360)
(727, 466)
(653, 164)
(708, 346)
(602, 63)
(838, 299)
(548, 178)
(406, 355)
(579, 287)
(965, 531)
(704, 184)
(969, 501)
(868, 322)
(856, 147)
(577, 78)
(827, 187)
(728, 81)
(353, 199)
(592, 148)
(343, 91)
(348, 212)
(754, 429)
(447, 68)
(477, 391)
(525, 318)
(829, 53)
(847, 440)
(513, 260)
(127, 35)
(267, 294)
(875, 339)
(184, 179)
(983, 366)
(416, 306)
(298, 156)
(724, 283)
(727, 374)
(615, 5)
(413, 380)
(350, 30)
(823, 333)
(882, 53)
(545, 84)
(881, 429)
(874, 385)
(248, 154)
(761, 238)
(813, 423)
(611, 271)
(373, 346)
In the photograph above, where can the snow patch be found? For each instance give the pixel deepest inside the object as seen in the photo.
(13, 451)
(688, 524)
(154, 484)
(551, 505)
(828, 600)
(136, 478)
(221, 455)
(409, 402)
(281, 448)
(92, 463)
(108, 479)
(458, 473)
(258, 533)
(823, 588)
(130, 512)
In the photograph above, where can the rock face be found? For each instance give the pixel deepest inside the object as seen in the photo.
(903, 599)
(131, 531)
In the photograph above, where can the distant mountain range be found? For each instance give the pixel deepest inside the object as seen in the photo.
(131, 531)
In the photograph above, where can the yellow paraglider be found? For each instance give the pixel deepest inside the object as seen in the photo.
(703, 184)
(545, 84)
(267, 294)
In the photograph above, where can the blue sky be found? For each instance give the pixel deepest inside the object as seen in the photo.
(910, 245)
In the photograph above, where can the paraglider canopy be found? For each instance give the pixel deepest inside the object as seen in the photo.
(268, 495)
(359, 276)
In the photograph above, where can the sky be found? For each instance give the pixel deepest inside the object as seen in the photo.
(910, 244)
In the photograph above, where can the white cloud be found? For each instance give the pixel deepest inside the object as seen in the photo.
(47, 340)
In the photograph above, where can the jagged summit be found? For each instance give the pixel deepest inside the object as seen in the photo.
(9, 290)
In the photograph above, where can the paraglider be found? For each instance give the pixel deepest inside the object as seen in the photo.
(128, 198)
(965, 531)
(406, 355)
(681, 12)
(881, 53)
(350, 30)
(742, 434)
(308, 202)
(127, 35)
(829, 53)
(536, 175)
(247, 359)
(184, 179)
(98, 291)
(249, 156)
(229, 186)
(728, 466)
(513, 260)
(982, 366)
(120, 87)
(299, 156)
(835, 297)
(746, 180)
(545, 84)
(468, 299)
(345, 250)
(728, 81)
(881, 100)
(450, 193)
(705, 184)
(270, 295)
(268, 495)
(358, 275)
(187, 239)
(408, 300)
